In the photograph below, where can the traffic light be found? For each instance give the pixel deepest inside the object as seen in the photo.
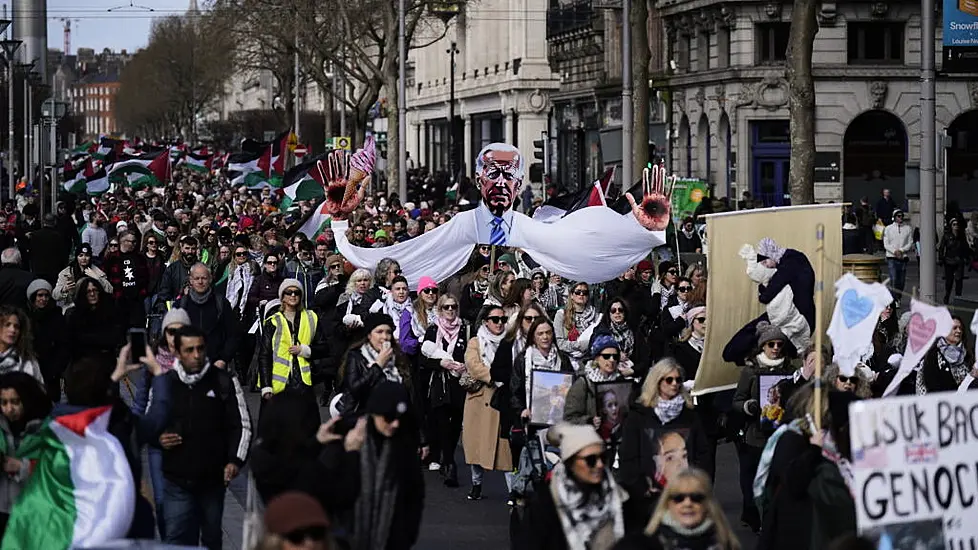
(541, 152)
(536, 172)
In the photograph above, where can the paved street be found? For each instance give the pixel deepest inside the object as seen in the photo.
(452, 522)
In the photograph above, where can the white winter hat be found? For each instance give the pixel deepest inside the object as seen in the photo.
(287, 284)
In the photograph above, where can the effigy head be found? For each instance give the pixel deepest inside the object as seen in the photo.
(499, 171)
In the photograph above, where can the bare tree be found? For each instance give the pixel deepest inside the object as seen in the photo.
(640, 88)
(801, 93)
(176, 78)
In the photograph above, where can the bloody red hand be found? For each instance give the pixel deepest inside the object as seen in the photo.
(656, 207)
(343, 193)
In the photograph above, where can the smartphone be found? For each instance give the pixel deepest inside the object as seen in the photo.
(386, 346)
(137, 344)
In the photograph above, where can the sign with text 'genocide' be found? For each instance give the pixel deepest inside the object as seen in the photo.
(960, 36)
(915, 466)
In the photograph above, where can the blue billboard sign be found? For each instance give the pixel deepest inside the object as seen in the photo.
(960, 36)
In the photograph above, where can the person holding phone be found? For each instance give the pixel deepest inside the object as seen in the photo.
(293, 338)
(371, 361)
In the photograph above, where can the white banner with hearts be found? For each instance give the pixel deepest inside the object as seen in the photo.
(857, 309)
(927, 324)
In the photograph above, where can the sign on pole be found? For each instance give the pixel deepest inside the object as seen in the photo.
(342, 142)
(960, 36)
(300, 151)
(915, 471)
(687, 194)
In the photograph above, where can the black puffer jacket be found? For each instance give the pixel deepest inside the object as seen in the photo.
(360, 378)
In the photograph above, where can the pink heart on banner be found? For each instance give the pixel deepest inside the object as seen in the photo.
(920, 331)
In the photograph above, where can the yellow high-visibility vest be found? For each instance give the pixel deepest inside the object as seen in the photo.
(282, 341)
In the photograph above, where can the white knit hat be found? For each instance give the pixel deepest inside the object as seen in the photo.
(176, 315)
(287, 284)
(572, 438)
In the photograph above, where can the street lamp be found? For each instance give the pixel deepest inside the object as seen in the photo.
(9, 49)
(26, 71)
(446, 11)
(52, 111)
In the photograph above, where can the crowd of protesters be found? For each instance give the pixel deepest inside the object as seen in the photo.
(364, 383)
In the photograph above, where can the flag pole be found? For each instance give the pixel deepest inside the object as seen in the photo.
(819, 321)
(492, 260)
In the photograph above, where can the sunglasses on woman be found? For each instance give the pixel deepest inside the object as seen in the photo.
(617, 310)
(673, 379)
(580, 293)
(695, 498)
(240, 254)
(591, 460)
(848, 379)
(530, 318)
(684, 288)
(430, 291)
(291, 292)
(774, 345)
(613, 356)
(497, 319)
(700, 320)
(449, 307)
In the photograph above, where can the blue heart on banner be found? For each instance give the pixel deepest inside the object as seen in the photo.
(855, 308)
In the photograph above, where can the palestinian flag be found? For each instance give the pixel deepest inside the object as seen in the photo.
(146, 170)
(317, 222)
(253, 170)
(97, 182)
(86, 148)
(561, 205)
(108, 146)
(74, 177)
(303, 182)
(199, 162)
(81, 492)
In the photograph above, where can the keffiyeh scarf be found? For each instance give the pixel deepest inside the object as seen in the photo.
(9, 361)
(390, 369)
(416, 326)
(594, 374)
(668, 409)
(624, 336)
(585, 512)
(238, 285)
(394, 310)
(584, 319)
(488, 344)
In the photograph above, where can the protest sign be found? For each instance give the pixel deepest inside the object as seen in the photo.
(687, 194)
(915, 469)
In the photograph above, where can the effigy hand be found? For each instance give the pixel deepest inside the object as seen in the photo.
(346, 178)
(656, 208)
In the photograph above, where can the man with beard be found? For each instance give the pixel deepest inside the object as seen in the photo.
(590, 244)
(176, 275)
(129, 275)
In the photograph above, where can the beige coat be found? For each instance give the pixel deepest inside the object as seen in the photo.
(480, 422)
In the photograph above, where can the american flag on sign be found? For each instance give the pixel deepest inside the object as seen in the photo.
(920, 453)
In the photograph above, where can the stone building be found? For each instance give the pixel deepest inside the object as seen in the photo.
(502, 77)
(729, 101)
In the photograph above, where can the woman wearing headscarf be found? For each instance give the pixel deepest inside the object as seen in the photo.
(64, 290)
(580, 508)
(575, 323)
(663, 435)
(687, 517)
(443, 349)
(482, 440)
(499, 287)
(618, 321)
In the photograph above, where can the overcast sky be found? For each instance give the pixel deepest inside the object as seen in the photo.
(94, 26)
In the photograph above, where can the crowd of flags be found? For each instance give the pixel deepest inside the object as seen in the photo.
(96, 167)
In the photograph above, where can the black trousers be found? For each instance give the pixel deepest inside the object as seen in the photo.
(953, 276)
(749, 457)
(448, 420)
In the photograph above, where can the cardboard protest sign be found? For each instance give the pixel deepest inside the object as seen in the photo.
(915, 471)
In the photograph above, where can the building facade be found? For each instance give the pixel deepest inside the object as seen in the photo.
(502, 83)
(729, 101)
(585, 46)
(93, 98)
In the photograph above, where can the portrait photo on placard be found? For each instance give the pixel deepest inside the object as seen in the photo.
(670, 454)
(613, 399)
(548, 395)
(925, 534)
(772, 404)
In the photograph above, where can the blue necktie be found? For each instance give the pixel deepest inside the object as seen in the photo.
(498, 235)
